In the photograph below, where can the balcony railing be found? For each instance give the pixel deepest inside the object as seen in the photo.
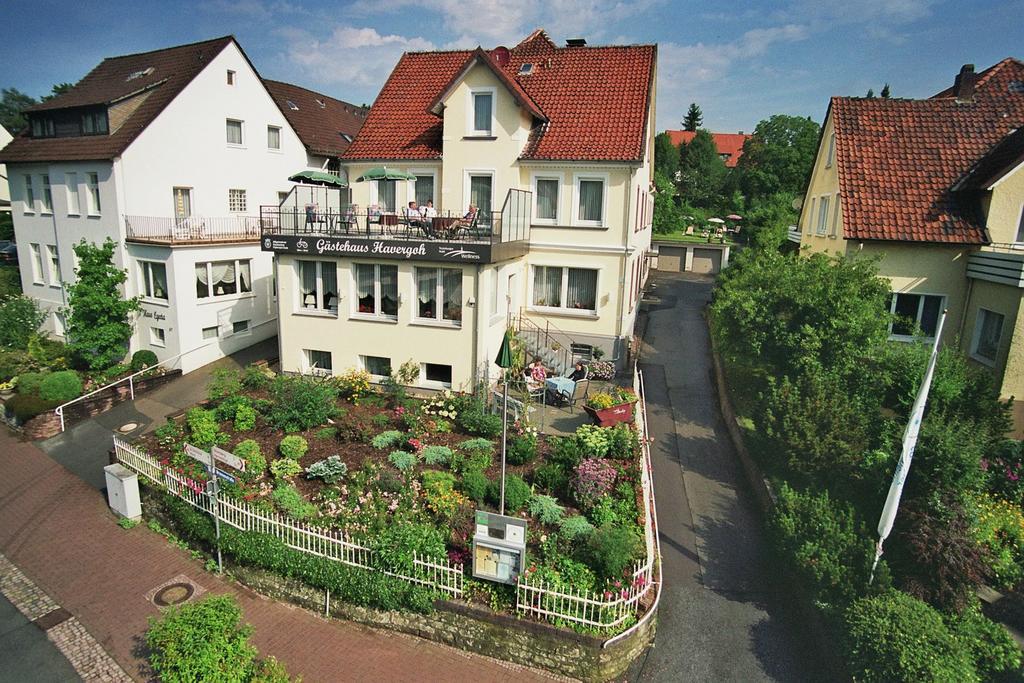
(192, 230)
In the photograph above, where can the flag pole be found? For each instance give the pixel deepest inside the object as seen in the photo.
(899, 477)
(504, 409)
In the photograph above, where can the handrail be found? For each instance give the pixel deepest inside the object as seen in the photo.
(652, 521)
(59, 410)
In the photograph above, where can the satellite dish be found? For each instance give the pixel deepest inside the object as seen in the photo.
(798, 203)
(501, 55)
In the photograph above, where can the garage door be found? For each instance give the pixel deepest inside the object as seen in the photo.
(707, 260)
(671, 258)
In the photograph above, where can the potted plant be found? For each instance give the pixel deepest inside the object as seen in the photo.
(607, 408)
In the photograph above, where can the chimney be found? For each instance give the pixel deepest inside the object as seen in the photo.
(576, 42)
(741, 132)
(963, 86)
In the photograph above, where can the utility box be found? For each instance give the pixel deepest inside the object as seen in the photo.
(499, 547)
(123, 491)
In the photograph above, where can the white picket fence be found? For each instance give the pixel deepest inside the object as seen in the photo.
(610, 608)
(441, 575)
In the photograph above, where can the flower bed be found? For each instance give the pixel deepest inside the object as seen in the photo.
(406, 475)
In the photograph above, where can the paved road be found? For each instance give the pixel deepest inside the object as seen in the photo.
(26, 653)
(722, 616)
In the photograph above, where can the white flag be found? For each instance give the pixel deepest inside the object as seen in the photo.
(892, 501)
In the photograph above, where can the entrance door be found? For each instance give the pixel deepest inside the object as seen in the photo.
(480, 196)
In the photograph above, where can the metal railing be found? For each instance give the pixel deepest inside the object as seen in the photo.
(556, 349)
(192, 229)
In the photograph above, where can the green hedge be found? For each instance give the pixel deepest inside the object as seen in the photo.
(362, 587)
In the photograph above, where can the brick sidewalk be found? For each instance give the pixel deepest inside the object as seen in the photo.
(61, 534)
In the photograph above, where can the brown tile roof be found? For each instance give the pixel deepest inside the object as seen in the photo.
(898, 160)
(319, 127)
(596, 99)
(725, 143)
(173, 69)
(1005, 156)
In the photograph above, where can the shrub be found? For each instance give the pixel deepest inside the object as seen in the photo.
(396, 545)
(245, 418)
(30, 382)
(47, 352)
(474, 484)
(351, 429)
(990, 644)
(623, 442)
(475, 454)
(594, 440)
(999, 527)
(20, 317)
(437, 455)
(600, 401)
(257, 378)
(477, 445)
(224, 383)
(566, 452)
(575, 528)
(228, 407)
(300, 403)
(288, 498)
(26, 406)
(353, 383)
(142, 359)
(439, 490)
(444, 405)
(517, 493)
(255, 463)
(380, 420)
(521, 449)
(551, 477)
(13, 362)
(822, 539)
(61, 386)
(546, 509)
(201, 641)
(896, 637)
(293, 446)
(476, 421)
(285, 467)
(593, 479)
(169, 434)
(402, 460)
(610, 551)
(204, 432)
(388, 439)
(331, 469)
(325, 433)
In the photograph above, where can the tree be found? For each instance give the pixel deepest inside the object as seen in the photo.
(667, 216)
(12, 107)
(57, 90)
(694, 117)
(778, 157)
(98, 325)
(702, 171)
(20, 317)
(871, 94)
(666, 156)
(885, 91)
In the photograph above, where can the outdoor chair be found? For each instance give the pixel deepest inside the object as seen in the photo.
(579, 393)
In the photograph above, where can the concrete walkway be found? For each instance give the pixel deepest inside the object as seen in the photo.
(722, 617)
(83, 447)
(27, 654)
(59, 532)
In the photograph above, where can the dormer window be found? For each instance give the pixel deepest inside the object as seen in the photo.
(526, 69)
(346, 137)
(94, 123)
(321, 103)
(42, 127)
(292, 105)
(481, 121)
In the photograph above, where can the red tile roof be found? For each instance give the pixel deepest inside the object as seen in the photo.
(319, 127)
(726, 143)
(898, 160)
(173, 69)
(597, 101)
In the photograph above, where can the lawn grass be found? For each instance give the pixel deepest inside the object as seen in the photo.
(688, 239)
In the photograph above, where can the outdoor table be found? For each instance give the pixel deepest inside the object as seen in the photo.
(441, 225)
(389, 219)
(562, 386)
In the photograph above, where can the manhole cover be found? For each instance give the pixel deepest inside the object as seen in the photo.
(130, 427)
(175, 594)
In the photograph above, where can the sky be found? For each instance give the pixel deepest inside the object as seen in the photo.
(741, 61)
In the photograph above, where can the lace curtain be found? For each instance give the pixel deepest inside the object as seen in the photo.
(451, 285)
(582, 289)
(389, 290)
(547, 199)
(307, 281)
(591, 199)
(365, 288)
(329, 280)
(547, 286)
(426, 285)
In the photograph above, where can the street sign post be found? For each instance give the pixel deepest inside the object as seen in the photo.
(211, 490)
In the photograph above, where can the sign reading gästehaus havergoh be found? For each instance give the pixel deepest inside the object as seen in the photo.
(411, 250)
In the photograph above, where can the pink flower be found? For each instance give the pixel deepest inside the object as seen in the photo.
(607, 595)
(984, 465)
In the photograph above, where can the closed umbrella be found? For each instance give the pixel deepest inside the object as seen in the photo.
(504, 361)
(385, 173)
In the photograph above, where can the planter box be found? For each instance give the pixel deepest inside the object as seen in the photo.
(606, 417)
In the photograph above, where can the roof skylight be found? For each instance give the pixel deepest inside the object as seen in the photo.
(139, 74)
(292, 105)
(321, 103)
(526, 69)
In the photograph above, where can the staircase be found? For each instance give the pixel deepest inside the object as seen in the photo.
(555, 348)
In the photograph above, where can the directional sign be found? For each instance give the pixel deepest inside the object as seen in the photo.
(197, 453)
(228, 458)
(223, 475)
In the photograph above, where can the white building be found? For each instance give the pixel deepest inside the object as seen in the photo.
(5, 191)
(552, 144)
(170, 154)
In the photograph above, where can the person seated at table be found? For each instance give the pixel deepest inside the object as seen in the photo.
(563, 387)
(465, 222)
(413, 215)
(427, 211)
(579, 372)
(535, 374)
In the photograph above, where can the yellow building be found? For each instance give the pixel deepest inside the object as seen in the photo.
(536, 164)
(934, 189)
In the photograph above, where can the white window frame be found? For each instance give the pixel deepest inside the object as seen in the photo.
(216, 332)
(60, 324)
(976, 337)
(241, 132)
(212, 296)
(233, 205)
(74, 201)
(53, 265)
(920, 309)
(37, 263)
(830, 158)
(434, 384)
(46, 198)
(471, 129)
(560, 181)
(231, 76)
(307, 356)
(30, 194)
(158, 337)
(438, 319)
(411, 186)
(835, 217)
(317, 307)
(271, 129)
(822, 221)
(809, 227)
(1020, 225)
(366, 367)
(375, 195)
(467, 187)
(92, 179)
(576, 220)
(378, 313)
(564, 295)
(146, 281)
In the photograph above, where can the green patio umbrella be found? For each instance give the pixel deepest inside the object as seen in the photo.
(504, 360)
(318, 178)
(384, 173)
